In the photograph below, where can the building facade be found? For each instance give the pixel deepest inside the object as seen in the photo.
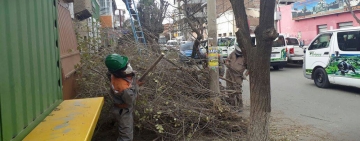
(182, 31)
(308, 18)
(107, 12)
(226, 25)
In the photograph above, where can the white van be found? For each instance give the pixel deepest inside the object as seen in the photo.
(278, 53)
(334, 57)
(223, 44)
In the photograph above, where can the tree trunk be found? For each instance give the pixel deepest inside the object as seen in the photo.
(196, 47)
(258, 65)
(260, 98)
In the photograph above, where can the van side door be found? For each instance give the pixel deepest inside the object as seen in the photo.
(318, 53)
(345, 59)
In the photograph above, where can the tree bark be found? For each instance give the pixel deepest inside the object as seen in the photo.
(258, 66)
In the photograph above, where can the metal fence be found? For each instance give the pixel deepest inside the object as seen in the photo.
(30, 78)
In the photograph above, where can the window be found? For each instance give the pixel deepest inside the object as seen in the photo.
(230, 34)
(223, 41)
(232, 42)
(292, 41)
(345, 25)
(219, 35)
(349, 41)
(224, 34)
(321, 28)
(321, 41)
(279, 42)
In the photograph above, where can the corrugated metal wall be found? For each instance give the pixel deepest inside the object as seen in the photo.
(30, 84)
(69, 53)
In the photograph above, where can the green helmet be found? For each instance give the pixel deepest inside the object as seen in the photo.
(115, 62)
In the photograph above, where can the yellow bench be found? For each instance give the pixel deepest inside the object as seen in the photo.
(72, 120)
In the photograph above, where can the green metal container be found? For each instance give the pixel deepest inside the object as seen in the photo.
(30, 80)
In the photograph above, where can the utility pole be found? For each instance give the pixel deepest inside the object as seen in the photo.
(213, 59)
(276, 14)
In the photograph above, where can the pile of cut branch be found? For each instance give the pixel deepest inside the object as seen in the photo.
(175, 101)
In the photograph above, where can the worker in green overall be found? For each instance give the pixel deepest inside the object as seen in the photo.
(124, 90)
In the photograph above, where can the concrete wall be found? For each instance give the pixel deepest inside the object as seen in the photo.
(306, 29)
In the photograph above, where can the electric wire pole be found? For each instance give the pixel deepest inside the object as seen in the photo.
(213, 59)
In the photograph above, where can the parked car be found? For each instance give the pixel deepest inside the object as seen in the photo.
(278, 53)
(333, 57)
(186, 51)
(162, 43)
(173, 44)
(294, 51)
(182, 42)
(231, 46)
(223, 44)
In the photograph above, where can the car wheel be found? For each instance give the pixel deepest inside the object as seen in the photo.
(276, 67)
(321, 79)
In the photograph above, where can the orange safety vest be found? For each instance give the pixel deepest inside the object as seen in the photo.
(120, 84)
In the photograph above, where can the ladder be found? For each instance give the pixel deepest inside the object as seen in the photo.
(135, 23)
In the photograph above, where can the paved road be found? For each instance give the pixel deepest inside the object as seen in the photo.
(335, 110)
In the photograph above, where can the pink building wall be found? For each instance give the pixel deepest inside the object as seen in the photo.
(308, 27)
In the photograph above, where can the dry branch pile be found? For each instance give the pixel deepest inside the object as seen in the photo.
(175, 102)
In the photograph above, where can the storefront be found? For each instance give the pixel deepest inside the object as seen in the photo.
(307, 18)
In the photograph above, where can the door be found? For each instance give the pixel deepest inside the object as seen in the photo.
(294, 43)
(278, 53)
(345, 62)
(318, 53)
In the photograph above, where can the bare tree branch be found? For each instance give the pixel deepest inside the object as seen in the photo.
(241, 22)
(351, 10)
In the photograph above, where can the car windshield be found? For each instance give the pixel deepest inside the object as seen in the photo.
(232, 41)
(224, 41)
(187, 46)
(279, 42)
(292, 41)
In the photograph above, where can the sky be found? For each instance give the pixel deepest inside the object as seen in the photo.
(120, 4)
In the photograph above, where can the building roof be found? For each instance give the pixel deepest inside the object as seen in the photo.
(342, 29)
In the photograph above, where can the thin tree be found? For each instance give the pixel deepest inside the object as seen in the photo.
(351, 11)
(151, 14)
(196, 24)
(257, 61)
